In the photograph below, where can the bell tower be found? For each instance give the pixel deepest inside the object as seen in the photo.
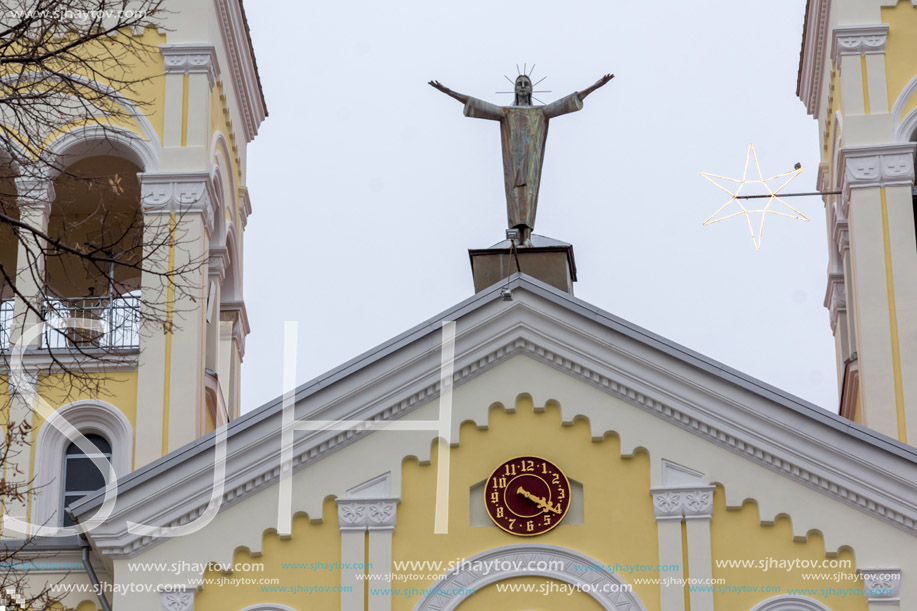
(858, 79)
(156, 191)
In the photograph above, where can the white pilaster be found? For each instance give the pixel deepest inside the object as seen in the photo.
(876, 182)
(170, 385)
(361, 512)
(851, 47)
(685, 497)
(353, 547)
(191, 72)
(380, 561)
(698, 509)
(671, 596)
(35, 194)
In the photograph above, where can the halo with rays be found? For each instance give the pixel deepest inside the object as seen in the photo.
(528, 73)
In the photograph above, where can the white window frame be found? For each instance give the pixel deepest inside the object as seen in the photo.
(90, 416)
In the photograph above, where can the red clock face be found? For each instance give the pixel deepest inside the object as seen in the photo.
(527, 496)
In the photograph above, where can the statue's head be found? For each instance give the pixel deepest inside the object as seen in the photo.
(523, 91)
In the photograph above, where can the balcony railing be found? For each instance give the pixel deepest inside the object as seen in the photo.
(92, 322)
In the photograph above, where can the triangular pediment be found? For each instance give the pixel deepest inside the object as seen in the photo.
(667, 383)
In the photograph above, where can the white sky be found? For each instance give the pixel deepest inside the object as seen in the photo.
(368, 186)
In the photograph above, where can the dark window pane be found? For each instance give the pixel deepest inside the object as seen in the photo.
(82, 475)
(100, 442)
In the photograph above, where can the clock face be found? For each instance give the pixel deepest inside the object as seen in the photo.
(527, 496)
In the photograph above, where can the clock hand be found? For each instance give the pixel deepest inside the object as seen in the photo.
(545, 505)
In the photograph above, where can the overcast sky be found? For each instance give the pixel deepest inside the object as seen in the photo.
(368, 186)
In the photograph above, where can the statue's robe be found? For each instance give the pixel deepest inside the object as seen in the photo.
(523, 131)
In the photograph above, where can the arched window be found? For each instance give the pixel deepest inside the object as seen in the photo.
(81, 475)
(94, 419)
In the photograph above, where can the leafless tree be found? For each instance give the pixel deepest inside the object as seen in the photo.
(53, 55)
(95, 245)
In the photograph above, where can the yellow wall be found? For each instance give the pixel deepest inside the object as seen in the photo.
(310, 543)
(143, 70)
(901, 50)
(619, 527)
(739, 535)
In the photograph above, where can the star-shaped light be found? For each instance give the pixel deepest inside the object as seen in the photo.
(736, 190)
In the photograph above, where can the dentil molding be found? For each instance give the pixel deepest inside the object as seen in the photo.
(869, 483)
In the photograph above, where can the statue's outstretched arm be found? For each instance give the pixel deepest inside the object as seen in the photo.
(596, 85)
(461, 97)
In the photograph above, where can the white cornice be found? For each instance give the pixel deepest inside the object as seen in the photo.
(216, 264)
(36, 191)
(840, 227)
(191, 59)
(835, 298)
(182, 192)
(858, 40)
(875, 166)
(802, 443)
(812, 58)
(242, 64)
(245, 206)
(240, 328)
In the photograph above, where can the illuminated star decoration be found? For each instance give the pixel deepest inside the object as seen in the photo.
(735, 196)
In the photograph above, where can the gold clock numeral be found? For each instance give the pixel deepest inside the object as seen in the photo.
(494, 497)
(512, 521)
(501, 482)
(544, 469)
(499, 512)
(556, 480)
(530, 526)
(527, 466)
(510, 470)
(547, 519)
(561, 494)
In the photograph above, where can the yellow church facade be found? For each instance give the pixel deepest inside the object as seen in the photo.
(523, 450)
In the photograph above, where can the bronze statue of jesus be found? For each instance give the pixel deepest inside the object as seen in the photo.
(523, 132)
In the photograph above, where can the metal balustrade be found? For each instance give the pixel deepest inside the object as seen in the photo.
(92, 322)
